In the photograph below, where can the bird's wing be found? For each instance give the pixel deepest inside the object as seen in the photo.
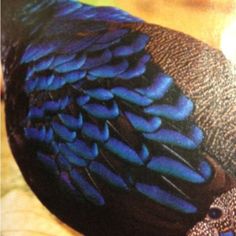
(103, 117)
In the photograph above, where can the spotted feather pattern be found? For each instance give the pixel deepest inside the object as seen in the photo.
(91, 85)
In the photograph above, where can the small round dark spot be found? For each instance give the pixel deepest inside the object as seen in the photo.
(215, 213)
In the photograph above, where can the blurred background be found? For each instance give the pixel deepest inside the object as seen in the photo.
(212, 21)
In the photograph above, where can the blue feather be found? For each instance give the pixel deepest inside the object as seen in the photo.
(63, 163)
(143, 125)
(122, 51)
(57, 83)
(180, 111)
(91, 77)
(140, 42)
(100, 46)
(100, 94)
(103, 14)
(30, 85)
(137, 45)
(30, 73)
(165, 198)
(112, 35)
(68, 8)
(36, 6)
(123, 151)
(82, 100)
(159, 88)
(54, 106)
(87, 189)
(41, 134)
(48, 106)
(131, 96)
(61, 59)
(92, 131)
(107, 175)
(44, 64)
(72, 65)
(175, 138)
(79, 45)
(80, 148)
(71, 156)
(170, 167)
(110, 70)
(205, 169)
(62, 132)
(228, 233)
(35, 113)
(36, 51)
(71, 122)
(44, 82)
(137, 70)
(86, 12)
(102, 59)
(144, 153)
(102, 112)
(74, 76)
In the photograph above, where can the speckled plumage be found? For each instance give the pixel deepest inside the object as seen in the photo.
(115, 126)
(221, 224)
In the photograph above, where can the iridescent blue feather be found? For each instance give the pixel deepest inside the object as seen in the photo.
(106, 102)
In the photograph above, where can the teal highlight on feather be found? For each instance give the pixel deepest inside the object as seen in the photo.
(144, 153)
(180, 111)
(165, 198)
(170, 167)
(131, 96)
(191, 141)
(123, 151)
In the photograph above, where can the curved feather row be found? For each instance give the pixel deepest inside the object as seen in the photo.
(84, 86)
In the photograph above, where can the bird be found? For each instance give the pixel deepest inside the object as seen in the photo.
(119, 126)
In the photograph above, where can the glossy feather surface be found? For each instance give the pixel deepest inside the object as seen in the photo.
(107, 124)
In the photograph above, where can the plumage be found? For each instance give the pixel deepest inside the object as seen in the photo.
(108, 113)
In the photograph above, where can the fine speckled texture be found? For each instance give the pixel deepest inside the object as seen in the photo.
(220, 218)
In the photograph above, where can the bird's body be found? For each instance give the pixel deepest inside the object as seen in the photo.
(116, 124)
